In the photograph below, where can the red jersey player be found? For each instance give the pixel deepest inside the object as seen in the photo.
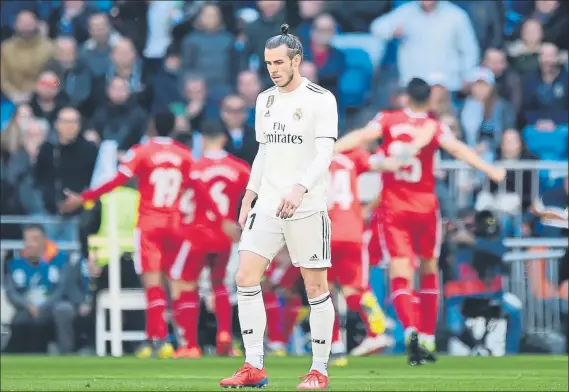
(409, 211)
(162, 168)
(348, 268)
(225, 177)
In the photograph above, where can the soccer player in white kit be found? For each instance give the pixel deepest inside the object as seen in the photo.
(296, 125)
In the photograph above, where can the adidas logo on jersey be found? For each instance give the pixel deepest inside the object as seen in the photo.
(314, 258)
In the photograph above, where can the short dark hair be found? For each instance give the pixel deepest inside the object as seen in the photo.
(213, 130)
(184, 138)
(419, 91)
(292, 42)
(164, 122)
(35, 226)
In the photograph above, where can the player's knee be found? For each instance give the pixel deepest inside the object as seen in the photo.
(314, 290)
(152, 279)
(251, 269)
(400, 268)
(349, 290)
(177, 287)
(244, 278)
(429, 266)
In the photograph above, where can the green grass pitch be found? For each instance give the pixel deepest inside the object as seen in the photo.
(385, 373)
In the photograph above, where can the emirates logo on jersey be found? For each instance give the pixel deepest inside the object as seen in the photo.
(280, 136)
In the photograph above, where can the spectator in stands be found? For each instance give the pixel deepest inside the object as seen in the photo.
(309, 70)
(79, 293)
(248, 88)
(74, 76)
(166, 83)
(130, 19)
(126, 64)
(121, 119)
(23, 57)
(48, 98)
(524, 52)
(440, 101)
(36, 284)
(485, 116)
(554, 20)
(508, 82)
(330, 61)
(11, 137)
(22, 166)
(509, 199)
(437, 36)
(96, 51)
(241, 140)
(64, 162)
(161, 16)
(487, 21)
(70, 19)
(308, 11)
(546, 91)
(197, 106)
(358, 15)
(210, 51)
(268, 24)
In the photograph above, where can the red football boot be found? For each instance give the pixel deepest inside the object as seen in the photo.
(313, 380)
(246, 377)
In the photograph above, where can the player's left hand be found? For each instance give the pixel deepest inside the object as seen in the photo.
(72, 202)
(291, 202)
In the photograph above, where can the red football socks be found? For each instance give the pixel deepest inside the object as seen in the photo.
(402, 300)
(292, 307)
(354, 303)
(223, 310)
(186, 316)
(155, 306)
(429, 297)
(417, 310)
(273, 309)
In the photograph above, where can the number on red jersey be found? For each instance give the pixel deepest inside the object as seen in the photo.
(188, 206)
(167, 184)
(219, 197)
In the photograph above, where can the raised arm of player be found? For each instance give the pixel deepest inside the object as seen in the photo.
(462, 152)
(325, 133)
(361, 137)
(127, 169)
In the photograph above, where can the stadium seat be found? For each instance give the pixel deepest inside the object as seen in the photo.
(374, 47)
(550, 146)
(7, 308)
(358, 59)
(353, 86)
(129, 299)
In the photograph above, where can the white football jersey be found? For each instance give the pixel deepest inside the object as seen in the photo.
(289, 124)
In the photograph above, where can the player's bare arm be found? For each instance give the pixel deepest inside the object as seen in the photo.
(254, 184)
(75, 200)
(462, 152)
(381, 163)
(359, 138)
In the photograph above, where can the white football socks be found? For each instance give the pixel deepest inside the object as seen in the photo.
(253, 321)
(321, 323)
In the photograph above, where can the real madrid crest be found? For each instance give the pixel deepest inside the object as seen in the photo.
(270, 100)
(297, 114)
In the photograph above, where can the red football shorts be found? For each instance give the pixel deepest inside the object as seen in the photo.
(409, 234)
(349, 267)
(283, 275)
(151, 248)
(191, 258)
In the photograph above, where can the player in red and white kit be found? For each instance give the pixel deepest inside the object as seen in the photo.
(205, 244)
(409, 222)
(162, 168)
(350, 269)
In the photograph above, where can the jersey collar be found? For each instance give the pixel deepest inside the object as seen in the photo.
(413, 114)
(299, 88)
(161, 139)
(215, 154)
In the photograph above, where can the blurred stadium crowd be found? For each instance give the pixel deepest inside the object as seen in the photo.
(75, 73)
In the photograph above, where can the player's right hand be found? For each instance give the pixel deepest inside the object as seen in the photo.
(231, 229)
(497, 174)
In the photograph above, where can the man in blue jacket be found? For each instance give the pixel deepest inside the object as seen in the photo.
(36, 284)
